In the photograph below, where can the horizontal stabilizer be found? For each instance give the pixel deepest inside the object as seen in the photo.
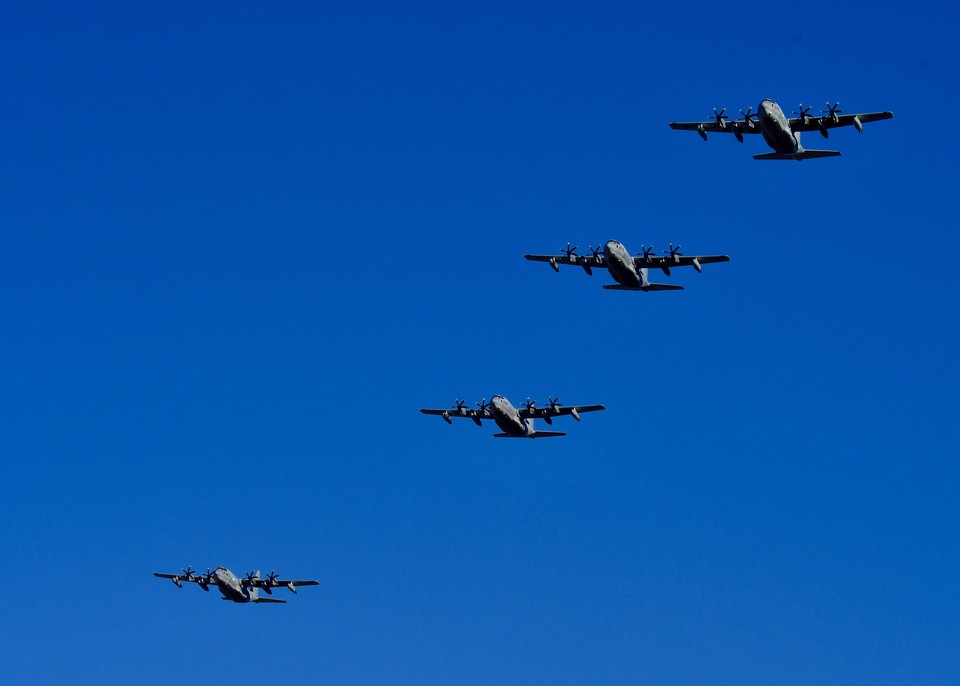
(648, 287)
(267, 600)
(799, 157)
(536, 434)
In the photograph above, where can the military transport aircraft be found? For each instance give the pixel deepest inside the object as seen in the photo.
(245, 590)
(780, 133)
(630, 273)
(515, 422)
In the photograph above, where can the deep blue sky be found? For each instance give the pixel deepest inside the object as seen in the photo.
(242, 246)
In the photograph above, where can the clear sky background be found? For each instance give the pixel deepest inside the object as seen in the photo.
(243, 245)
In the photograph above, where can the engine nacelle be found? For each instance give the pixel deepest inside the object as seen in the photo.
(476, 420)
(859, 124)
(736, 132)
(176, 582)
(446, 418)
(700, 130)
(203, 586)
(697, 265)
(293, 589)
(587, 269)
(575, 414)
(554, 265)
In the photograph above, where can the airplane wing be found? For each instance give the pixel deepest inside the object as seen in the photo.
(475, 415)
(828, 122)
(665, 262)
(585, 261)
(557, 411)
(704, 127)
(178, 579)
(266, 582)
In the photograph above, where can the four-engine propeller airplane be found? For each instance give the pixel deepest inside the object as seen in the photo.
(780, 133)
(242, 590)
(629, 272)
(515, 422)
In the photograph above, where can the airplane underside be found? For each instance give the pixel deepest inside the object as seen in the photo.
(787, 146)
(798, 156)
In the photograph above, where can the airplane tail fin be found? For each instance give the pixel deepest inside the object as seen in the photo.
(661, 287)
(645, 284)
(648, 287)
(798, 156)
(535, 434)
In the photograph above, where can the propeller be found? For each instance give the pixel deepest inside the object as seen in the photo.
(748, 117)
(251, 576)
(460, 405)
(647, 252)
(674, 252)
(571, 252)
(833, 111)
(530, 404)
(554, 402)
(483, 406)
(270, 581)
(597, 252)
(720, 116)
(188, 573)
(803, 113)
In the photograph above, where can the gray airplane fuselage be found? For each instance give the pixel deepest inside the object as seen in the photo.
(231, 588)
(508, 418)
(775, 128)
(620, 264)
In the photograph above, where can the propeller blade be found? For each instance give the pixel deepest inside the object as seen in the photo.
(674, 251)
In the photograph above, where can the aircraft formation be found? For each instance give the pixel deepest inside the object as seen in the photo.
(629, 272)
